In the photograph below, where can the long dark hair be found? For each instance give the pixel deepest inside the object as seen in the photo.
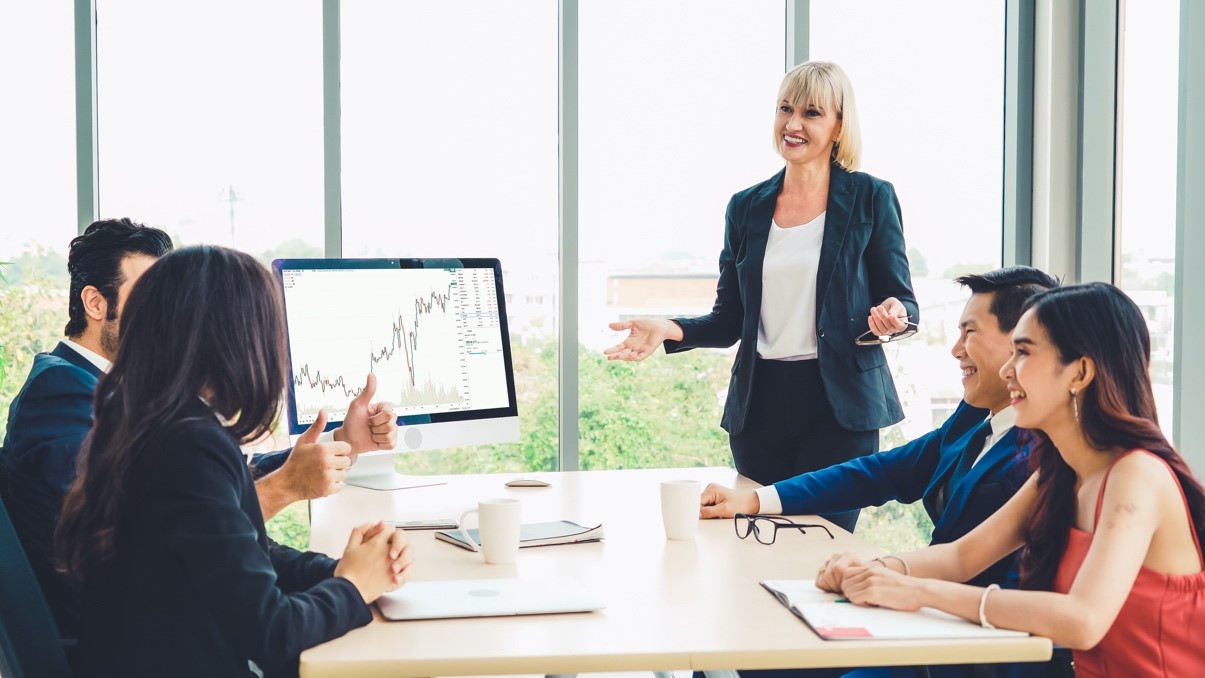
(200, 320)
(1100, 322)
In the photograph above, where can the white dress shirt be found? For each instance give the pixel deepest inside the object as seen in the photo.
(788, 303)
(102, 363)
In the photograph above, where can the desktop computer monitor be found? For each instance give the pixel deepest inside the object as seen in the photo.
(434, 333)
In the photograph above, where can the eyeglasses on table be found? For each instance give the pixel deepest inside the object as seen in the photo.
(764, 528)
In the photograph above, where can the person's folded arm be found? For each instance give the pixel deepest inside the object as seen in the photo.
(1000, 535)
(1130, 515)
(299, 570)
(217, 547)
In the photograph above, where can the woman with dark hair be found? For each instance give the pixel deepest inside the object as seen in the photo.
(1111, 521)
(162, 522)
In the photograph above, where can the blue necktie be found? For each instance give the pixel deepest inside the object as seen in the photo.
(978, 439)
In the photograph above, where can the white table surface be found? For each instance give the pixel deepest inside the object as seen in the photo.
(670, 604)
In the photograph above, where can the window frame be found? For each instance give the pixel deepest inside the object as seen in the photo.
(1042, 95)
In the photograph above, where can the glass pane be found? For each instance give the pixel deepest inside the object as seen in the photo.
(944, 154)
(1147, 227)
(210, 124)
(211, 121)
(450, 150)
(37, 183)
(672, 125)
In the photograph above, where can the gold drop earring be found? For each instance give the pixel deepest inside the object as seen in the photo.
(1075, 404)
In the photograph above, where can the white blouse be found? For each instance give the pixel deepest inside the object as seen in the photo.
(788, 303)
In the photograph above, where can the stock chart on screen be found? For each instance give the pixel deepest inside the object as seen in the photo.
(433, 336)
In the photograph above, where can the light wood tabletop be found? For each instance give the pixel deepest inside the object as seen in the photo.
(670, 604)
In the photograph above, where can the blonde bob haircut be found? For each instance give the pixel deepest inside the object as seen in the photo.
(824, 85)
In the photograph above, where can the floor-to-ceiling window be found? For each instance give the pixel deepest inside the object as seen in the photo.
(210, 124)
(37, 184)
(676, 111)
(449, 141)
(210, 121)
(931, 103)
(1146, 222)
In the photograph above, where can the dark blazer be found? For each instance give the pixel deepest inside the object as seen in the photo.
(193, 588)
(47, 422)
(918, 470)
(862, 262)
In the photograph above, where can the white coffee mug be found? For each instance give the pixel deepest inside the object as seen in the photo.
(680, 508)
(499, 522)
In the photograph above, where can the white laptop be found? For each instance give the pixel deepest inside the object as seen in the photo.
(488, 598)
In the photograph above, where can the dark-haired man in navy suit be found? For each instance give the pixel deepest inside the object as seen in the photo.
(52, 414)
(962, 472)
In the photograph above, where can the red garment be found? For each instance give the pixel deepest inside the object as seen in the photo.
(1159, 631)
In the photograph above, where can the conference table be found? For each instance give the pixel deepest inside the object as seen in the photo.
(670, 604)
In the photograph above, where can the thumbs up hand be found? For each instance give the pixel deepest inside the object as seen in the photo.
(368, 426)
(313, 469)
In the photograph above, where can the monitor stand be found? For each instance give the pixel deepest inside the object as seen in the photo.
(375, 472)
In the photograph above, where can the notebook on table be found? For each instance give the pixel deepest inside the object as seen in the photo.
(488, 598)
(534, 534)
(834, 618)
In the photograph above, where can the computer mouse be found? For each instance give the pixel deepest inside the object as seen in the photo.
(527, 482)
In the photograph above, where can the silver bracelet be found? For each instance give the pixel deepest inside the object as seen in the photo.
(907, 570)
(983, 603)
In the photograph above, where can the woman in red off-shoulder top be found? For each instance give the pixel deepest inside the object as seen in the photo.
(1110, 522)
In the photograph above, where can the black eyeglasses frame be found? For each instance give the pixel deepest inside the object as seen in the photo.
(751, 520)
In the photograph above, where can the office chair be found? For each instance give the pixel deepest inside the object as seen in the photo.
(29, 638)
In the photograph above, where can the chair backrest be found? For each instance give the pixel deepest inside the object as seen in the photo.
(29, 638)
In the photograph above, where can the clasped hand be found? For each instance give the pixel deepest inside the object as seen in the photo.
(376, 560)
(869, 583)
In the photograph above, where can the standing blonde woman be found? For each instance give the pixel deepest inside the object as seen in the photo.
(813, 259)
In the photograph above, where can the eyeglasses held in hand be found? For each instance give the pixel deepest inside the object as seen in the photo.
(869, 338)
(764, 528)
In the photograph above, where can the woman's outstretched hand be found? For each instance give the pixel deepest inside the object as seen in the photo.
(644, 337)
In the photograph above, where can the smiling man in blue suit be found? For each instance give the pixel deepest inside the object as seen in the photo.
(963, 471)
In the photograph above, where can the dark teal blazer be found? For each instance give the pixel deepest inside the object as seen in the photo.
(862, 262)
(47, 422)
(194, 587)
